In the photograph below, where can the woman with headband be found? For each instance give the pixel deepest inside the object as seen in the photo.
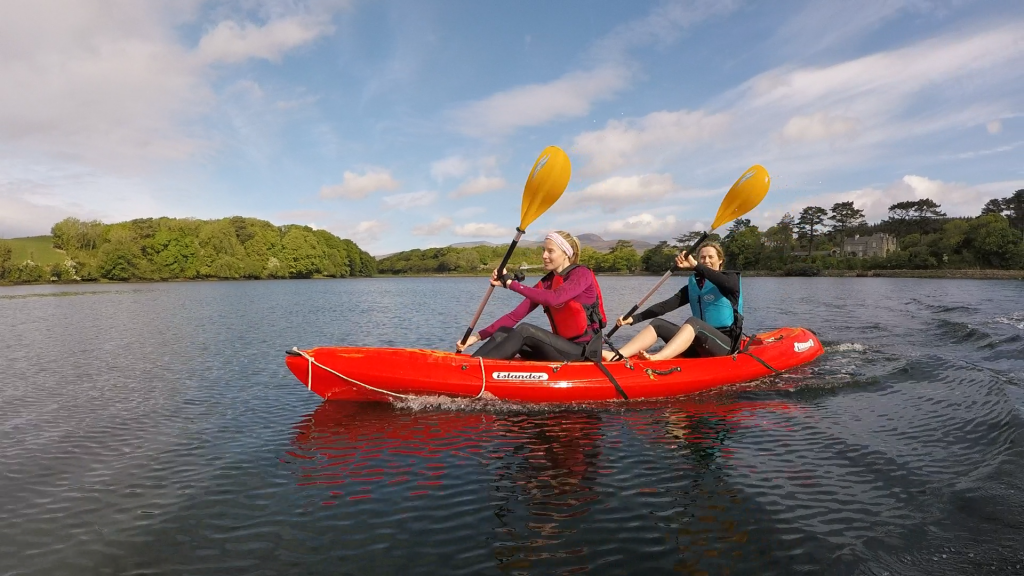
(571, 299)
(715, 298)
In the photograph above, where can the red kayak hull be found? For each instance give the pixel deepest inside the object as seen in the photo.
(387, 374)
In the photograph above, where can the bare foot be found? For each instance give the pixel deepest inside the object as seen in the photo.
(644, 355)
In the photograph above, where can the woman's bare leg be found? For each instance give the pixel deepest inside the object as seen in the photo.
(677, 345)
(642, 341)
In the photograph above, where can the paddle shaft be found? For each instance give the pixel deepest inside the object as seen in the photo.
(490, 289)
(664, 278)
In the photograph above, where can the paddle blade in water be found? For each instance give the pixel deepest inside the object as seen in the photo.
(744, 195)
(547, 181)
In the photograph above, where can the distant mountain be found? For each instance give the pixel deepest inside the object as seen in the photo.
(592, 240)
(472, 244)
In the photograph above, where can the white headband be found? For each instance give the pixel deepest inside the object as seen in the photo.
(561, 243)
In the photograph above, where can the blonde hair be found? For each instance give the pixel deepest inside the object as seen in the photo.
(574, 243)
(717, 247)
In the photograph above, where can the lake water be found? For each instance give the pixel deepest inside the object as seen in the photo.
(153, 429)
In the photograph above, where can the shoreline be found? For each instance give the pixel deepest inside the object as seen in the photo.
(969, 274)
(977, 274)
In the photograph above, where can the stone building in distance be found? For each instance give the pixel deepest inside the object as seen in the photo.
(875, 245)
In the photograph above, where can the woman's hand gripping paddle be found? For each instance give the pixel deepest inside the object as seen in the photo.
(547, 181)
(744, 196)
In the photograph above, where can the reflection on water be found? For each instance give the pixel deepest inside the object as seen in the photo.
(545, 474)
(155, 430)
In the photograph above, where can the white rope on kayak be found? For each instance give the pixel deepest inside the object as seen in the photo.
(342, 376)
(483, 378)
(311, 362)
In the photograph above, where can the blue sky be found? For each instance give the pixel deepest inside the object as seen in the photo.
(414, 124)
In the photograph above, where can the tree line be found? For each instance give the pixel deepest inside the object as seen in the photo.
(804, 244)
(926, 238)
(482, 259)
(186, 248)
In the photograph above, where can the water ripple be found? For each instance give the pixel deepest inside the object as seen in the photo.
(157, 431)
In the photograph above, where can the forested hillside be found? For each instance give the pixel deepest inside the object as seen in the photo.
(186, 248)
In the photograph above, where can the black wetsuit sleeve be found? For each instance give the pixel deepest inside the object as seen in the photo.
(679, 299)
(728, 283)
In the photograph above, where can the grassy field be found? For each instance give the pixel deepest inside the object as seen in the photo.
(39, 249)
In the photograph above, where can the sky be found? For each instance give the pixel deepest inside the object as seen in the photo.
(411, 124)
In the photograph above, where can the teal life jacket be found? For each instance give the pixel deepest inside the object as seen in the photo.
(711, 306)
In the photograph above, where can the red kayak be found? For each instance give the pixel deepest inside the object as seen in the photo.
(387, 374)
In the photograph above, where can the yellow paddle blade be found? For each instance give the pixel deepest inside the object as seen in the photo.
(744, 196)
(547, 181)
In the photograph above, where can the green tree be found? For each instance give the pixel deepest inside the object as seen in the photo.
(738, 225)
(29, 272)
(811, 218)
(743, 250)
(1011, 207)
(119, 257)
(303, 256)
(993, 206)
(912, 216)
(623, 257)
(684, 241)
(593, 259)
(844, 216)
(994, 243)
(779, 238)
(6, 256)
(73, 235)
(659, 258)
(175, 253)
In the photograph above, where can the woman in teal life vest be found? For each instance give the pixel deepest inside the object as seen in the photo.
(716, 304)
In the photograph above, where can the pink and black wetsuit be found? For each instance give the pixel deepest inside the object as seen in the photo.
(507, 337)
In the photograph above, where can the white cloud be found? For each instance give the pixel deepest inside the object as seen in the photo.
(82, 86)
(573, 94)
(643, 225)
(231, 42)
(955, 81)
(432, 229)
(355, 186)
(994, 127)
(469, 211)
(450, 167)
(410, 200)
(986, 152)
(845, 22)
(955, 198)
(478, 185)
(570, 96)
(819, 126)
(661, 26)
(365, 232)
(293, 216)
(482, 230)
(110, 84)
(880, 106)
(643, 141)
(25, 215)
(619, 191)
(33, 199)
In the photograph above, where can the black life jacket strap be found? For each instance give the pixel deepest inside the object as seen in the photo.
(746, 350)
(761, 362)
(592, 352)
(618, 353)
(737, 322)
